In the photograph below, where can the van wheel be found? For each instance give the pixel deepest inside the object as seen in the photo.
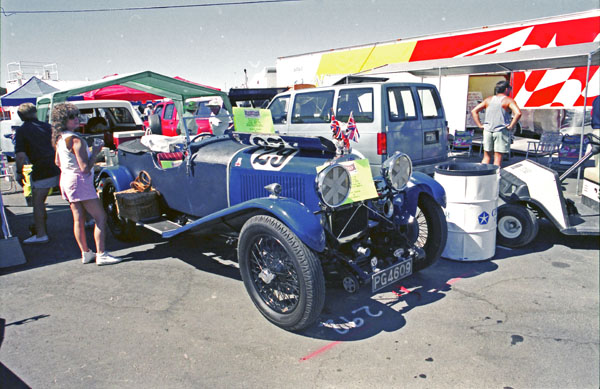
(432, 231)
(517, 225)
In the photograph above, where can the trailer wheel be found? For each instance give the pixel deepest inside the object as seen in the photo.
(517, 225)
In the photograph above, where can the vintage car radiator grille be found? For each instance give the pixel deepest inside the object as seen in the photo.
(356, 223)
(253, 186)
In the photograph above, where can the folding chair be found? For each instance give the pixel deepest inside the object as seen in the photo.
(568, 152)
(462, 140)
(548, 145)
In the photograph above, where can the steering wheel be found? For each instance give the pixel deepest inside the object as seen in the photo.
(201, 136)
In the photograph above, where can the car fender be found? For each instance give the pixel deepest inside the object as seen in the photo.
(119, 175)
(422, 183)
(297, 217)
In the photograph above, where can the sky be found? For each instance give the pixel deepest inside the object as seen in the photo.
(212, 45)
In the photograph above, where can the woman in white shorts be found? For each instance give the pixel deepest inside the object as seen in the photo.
(77, 181)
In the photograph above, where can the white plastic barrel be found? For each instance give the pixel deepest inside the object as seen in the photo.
(471, 209)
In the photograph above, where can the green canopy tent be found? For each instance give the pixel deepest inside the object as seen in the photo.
(158, 84)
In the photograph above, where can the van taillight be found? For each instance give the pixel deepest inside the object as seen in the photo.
(381, 143)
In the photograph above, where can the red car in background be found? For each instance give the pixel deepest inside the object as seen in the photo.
(166, 114)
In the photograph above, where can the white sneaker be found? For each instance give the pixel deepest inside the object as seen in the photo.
(88, 257)
(106, 259)
(35, 240)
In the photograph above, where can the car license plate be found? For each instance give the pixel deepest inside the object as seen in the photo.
(392, 274)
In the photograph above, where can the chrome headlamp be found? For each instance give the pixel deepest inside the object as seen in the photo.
(333, 185)
(397, 170)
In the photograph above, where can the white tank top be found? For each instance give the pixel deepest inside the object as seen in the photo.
(68, 160)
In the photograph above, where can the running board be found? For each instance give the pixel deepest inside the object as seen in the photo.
(160, 226)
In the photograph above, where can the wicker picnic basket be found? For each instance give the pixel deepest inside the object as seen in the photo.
(141, 202)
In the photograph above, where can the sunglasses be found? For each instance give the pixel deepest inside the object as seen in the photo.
(72, 116)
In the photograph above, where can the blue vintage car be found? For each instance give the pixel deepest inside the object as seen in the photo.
(288, 202)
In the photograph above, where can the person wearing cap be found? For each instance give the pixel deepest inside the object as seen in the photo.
(147, 111)
(189, 118)
(498, 125)
(33, 142)
(219, 119)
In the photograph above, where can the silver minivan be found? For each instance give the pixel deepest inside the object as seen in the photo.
(390, 117)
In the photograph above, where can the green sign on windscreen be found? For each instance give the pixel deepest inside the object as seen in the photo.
(253, 120)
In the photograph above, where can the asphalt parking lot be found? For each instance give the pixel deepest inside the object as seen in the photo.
(175, 314)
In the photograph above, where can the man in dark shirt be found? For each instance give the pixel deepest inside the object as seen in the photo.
(596, 113)
(33, 141)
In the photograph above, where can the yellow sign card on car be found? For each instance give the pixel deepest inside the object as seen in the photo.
(258, 121)
(362, 186)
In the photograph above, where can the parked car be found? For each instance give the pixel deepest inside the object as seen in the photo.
(406, 117)
(291, 205)
(164, 120)
(121, 117)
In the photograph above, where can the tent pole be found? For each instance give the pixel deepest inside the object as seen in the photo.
(587, 76)
(440, 80)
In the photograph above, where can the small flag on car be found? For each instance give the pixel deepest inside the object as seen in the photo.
(351, 129)
(336, 128)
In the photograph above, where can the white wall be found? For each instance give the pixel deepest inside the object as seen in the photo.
(454, 91)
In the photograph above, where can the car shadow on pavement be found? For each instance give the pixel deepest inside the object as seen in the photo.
(350, 317)
(210, 254)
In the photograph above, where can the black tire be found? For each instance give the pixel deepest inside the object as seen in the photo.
(122, 229)
(155, 124)
(517, 225)
(432, 231)
(283, 277)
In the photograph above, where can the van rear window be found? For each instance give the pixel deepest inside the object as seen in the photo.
(359, 101)
(401, 105)
(314, 107)
(430, 103)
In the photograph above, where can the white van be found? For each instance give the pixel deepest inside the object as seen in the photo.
(390, 117)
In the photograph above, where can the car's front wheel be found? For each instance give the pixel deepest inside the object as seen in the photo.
(282, 275)
(432, 231)
(122, 229)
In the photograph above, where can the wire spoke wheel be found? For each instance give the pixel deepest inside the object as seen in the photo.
(423, 230)
(431, 231)
(274, 274)
(282, 276)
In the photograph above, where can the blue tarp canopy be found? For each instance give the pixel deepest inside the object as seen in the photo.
(27, 93)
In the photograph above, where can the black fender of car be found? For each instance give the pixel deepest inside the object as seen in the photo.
(422, 183)
(120, 176)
